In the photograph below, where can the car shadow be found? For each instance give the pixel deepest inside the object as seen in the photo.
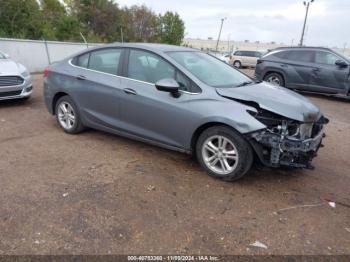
(257, 174)
(266, 174)
(340, 98)
(14, 103)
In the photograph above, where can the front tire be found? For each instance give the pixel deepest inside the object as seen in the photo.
(224, 153)
(67, 116)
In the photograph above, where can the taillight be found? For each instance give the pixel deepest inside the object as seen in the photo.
(46, 72)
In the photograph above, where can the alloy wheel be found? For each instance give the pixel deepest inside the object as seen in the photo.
(66, 115)
(274, 80)
(220, 155)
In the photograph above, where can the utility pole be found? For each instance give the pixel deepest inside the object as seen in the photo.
(82, 36)
(121, 34)
(228, 42)
(217, 43)
(307, 4)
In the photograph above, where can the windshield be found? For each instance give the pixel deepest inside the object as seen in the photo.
(343, 56)
(210, 70)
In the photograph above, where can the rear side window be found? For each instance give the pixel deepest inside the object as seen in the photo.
(327, 58)
(105, 60)
(280, 55)
(83, 60)
(300, 55)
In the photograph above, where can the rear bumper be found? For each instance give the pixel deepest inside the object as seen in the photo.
(19, 91)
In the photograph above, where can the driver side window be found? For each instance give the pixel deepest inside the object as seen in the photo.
(325, 58)
(148, 67)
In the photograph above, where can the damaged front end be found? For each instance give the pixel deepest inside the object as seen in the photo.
(286, 142)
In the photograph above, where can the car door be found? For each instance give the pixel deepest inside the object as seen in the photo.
(97, 86)
(298, 68)
(237, 56)
(327, 76)
(146, 111)
(246, 59)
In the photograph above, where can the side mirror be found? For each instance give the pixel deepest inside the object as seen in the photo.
(341, 63)
(168, 85)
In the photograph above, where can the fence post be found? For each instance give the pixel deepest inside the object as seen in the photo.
(47, 52)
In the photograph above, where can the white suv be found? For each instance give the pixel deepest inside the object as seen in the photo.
(243, 58)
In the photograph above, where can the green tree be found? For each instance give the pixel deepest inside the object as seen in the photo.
(52, 14)
(20, 19)
(99, 19)
(171, 28)
(68, 29)
(139, 24)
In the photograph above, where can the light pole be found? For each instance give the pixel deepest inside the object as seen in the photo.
(217, 43)
(307, 4)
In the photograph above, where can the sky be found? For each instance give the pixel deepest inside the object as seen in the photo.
(280, 21)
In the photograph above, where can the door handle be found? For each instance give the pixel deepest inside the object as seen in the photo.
(81, 77)
(129, 91)
(315, 70)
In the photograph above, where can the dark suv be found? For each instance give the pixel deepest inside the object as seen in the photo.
(312, 69)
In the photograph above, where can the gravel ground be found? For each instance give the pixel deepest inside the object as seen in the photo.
(96, 193)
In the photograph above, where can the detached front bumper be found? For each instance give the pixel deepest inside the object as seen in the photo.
(22, 90)
(275, 150)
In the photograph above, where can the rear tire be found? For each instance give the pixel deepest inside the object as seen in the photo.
(67, 115)
(224, 153)
(275, 79)
(237, 64)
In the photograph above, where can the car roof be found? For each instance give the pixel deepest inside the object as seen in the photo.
(302, 48)
(156, 48)
(244, 50)
(151, 46)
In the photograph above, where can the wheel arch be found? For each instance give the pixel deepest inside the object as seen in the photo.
(276, 71)
(237, 60)
(204, 127)
(55, 99)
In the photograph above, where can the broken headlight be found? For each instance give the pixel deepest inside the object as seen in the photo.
(277, 124)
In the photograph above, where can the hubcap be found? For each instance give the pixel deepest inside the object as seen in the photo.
(220, 155)
(66, 116)
(237, 64)
(274, 80)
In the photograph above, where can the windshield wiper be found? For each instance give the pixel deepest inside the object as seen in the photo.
(245, 83)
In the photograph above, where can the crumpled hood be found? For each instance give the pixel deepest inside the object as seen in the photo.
(275, 99)
(9, 67)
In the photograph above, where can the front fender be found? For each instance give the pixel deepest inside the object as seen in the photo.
(239, 119)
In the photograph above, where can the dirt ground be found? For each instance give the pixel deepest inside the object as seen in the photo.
(96, 193)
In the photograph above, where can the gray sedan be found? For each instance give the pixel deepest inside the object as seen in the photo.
(185, 100)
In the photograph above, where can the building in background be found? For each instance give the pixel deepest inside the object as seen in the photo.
(226, 46)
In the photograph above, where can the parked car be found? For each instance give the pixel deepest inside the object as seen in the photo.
(185, 100)
(242, 58)
(15, 80)
(226, 58)
(313, 69)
